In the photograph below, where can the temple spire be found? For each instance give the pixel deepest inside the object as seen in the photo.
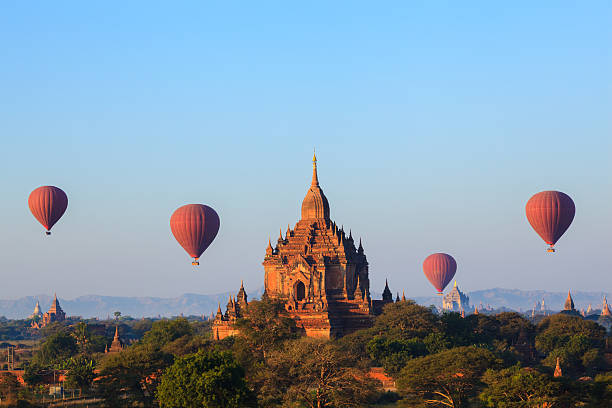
(116, 333)
(315, 178)
(387, 295)
(605, 310)
(569, 302)
(558, 371)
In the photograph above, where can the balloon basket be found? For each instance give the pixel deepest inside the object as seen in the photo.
(47, 233)
(195, 262)
(551, 249)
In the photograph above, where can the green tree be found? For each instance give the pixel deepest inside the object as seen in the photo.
(117, 315)
(601, 392)
(165, 331)
(556, 331)
(133, 374)
(34, 374)
(406, 320)
(56, 349)
(317, 374)
(448, 378)
(578, 343)
(264, 327)
(205, 379)
(518, 387)
(393, 354)
(80, 373)
(81, 334)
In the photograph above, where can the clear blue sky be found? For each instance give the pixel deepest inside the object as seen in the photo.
(434, 123)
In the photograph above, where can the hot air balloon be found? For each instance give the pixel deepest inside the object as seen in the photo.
(48, 204)
(439, 269)
(550, 214)
(194, 226)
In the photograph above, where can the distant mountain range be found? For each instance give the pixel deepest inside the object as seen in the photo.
(523, 300)
(88, 306)
(193, 304)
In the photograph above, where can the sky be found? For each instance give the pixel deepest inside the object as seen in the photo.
(433, 121)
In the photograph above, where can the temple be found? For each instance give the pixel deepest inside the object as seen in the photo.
(55, 314)
(318, 271)
(568, 306)
(455, 300)
(36, 314)
(116, 345)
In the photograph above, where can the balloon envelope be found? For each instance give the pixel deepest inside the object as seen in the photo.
(550, 214)
(439, 269)
(48, 204)
(194, 226)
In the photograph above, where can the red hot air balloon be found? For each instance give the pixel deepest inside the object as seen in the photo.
(439, 269)
(194, 226)
(550, 214)
(48, 204)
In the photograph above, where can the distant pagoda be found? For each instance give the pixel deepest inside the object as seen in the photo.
(117, 345)
(455, 300)
(36, 314)
(568, 306)
(55, 314)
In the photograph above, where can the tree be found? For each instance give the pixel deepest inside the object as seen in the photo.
(117, 315)
(205, 379)
(264, 327)
(58, 348)
(601, 393)
(556, 330)
(448, 378)
(34, 373)
(80, 373)
(576, 342)
(81, 334)
(133, 374)
(165, 331)
(392, 354)
(316, 373)
(406, 320)
(518, 387)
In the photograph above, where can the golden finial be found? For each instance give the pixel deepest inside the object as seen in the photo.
(314, 155)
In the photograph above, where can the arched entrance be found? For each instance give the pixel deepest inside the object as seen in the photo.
(300, 291)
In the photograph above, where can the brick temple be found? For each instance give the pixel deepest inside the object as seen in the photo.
(319, 273)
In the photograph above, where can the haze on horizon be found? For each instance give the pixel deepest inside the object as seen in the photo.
(433, 125)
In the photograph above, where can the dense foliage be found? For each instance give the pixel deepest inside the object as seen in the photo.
(477, 361)
(205, 379)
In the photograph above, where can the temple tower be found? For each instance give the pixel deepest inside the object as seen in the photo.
(317, 271)
(320, 273)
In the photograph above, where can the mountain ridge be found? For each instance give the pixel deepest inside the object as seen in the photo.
(101, 306)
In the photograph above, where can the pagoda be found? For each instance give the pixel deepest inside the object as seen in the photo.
(568, 306)
(319, 273)
(116, 345)
(37, 314)
(55, 314)
(455, 300)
